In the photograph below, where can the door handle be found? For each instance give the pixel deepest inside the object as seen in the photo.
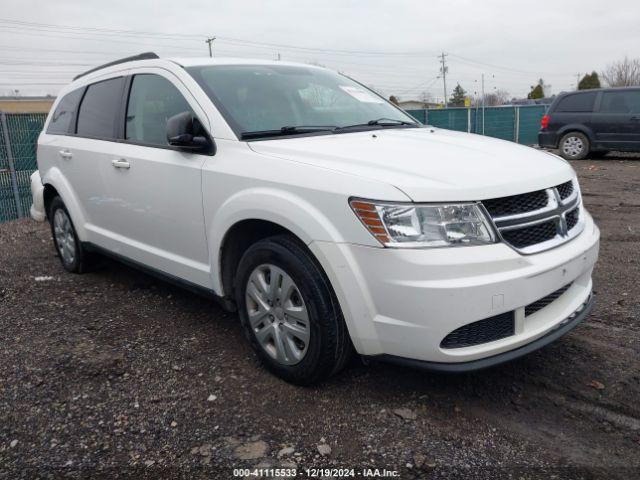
(121, 163)
(66, 154)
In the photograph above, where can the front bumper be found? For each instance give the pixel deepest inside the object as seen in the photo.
(37, 193)
(562, 328)
(402, 303)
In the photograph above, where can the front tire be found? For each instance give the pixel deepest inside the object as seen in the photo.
(289, 313)
(73, 256)
(574, 146)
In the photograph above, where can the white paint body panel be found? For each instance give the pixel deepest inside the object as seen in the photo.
(171, 211)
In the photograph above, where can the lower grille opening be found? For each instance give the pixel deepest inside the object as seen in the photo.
(482, 331)
(526, 236)
(543, 302)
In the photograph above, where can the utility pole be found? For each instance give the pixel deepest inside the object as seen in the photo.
(483, 103)
(444, 69)
(577, 81)
(210, 42)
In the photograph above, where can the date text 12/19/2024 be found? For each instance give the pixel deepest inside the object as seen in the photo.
(315, 472)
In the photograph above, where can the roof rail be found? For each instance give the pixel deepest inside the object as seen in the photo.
(142, 56)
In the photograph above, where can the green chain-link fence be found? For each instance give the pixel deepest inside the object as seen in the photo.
(516, 123)
(18, 137)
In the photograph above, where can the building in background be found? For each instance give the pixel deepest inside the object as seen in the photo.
(26, 104)
(416, 104)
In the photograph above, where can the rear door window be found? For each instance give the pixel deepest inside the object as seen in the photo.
(63, 118)
(627, 101)
(579, 102)
(99, 108)
(152, 101)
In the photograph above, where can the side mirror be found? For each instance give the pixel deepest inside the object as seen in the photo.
(186, 131)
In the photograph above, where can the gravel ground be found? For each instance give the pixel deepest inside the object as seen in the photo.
(116, 374)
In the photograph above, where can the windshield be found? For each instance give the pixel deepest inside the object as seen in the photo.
(286, 100)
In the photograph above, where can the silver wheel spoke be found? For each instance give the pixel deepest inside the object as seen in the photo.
(286, 289)
(264, 334)
(297, 331)
(283, 351)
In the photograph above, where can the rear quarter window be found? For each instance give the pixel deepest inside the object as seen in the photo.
(63, 118)
(577, 102)
(99, 108)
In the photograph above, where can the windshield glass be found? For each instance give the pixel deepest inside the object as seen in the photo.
(263, 98)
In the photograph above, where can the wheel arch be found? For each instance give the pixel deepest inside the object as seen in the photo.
(55, 184)
(577, 127)
(254, 213)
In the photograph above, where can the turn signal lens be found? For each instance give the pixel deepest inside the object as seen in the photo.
(368, 215)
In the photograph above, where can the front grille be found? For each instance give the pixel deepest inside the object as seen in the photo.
(543, 302)
(572, 218)
(524, 237)
(565, 189)
(535, 221)
(526, 202)
(482, 331)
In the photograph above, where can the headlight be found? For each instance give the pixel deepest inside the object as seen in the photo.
(419, 226)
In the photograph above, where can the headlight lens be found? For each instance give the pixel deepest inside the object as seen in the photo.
(420, 226)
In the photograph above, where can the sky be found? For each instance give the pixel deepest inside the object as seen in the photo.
(391, 46)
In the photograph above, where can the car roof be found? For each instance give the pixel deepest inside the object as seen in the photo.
(605, 89)
(149, 59)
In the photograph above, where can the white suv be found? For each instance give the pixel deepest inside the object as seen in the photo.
(329, 218)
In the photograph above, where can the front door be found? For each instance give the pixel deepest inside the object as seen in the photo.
(617, 123)
(155, 213)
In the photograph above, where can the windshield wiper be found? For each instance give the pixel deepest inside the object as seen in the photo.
(380, 122)
(287, 130)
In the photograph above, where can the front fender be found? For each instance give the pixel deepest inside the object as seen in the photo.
(283, 208)
(54, 177)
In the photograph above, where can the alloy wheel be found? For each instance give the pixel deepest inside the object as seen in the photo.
(573, 146)
(64, 236)
(277, 314)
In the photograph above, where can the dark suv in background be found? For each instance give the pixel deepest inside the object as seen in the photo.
(593, 122)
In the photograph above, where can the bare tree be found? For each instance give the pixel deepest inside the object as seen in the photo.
(623, 73)
(499, 97)
(493, 99)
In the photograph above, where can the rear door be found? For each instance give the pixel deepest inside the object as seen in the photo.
(82, 152)
(154, 210)
(617, 122)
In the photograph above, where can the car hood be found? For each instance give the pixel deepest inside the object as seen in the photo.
(427, 164)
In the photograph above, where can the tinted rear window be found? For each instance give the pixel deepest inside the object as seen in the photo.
(627, 101)
(99, 108)
(62, 120)
(581, 102)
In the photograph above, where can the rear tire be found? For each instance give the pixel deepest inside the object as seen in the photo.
(289, 313)
(74, 257)
(574, 146)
